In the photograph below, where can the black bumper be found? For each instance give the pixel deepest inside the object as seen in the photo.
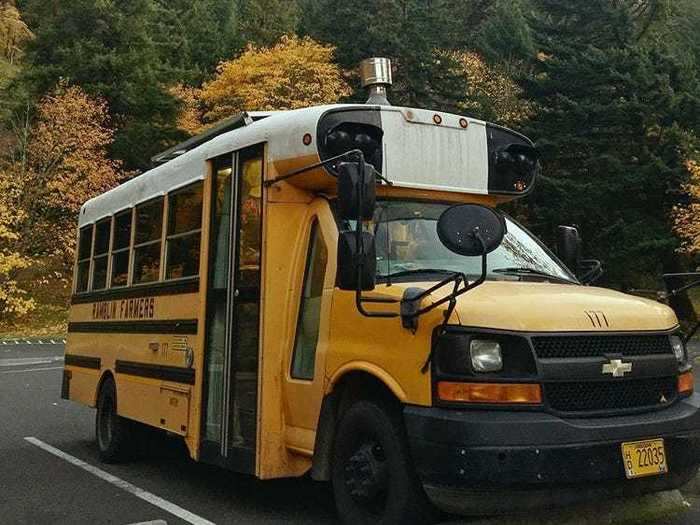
(484, 462)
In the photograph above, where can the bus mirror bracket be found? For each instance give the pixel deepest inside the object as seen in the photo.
(470, 230)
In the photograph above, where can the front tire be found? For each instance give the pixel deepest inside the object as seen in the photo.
(112, 431)
(372, 474)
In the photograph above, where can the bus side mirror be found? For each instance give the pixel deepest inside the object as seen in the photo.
(357, 260)
(569, 247)
(356, 266)
(471, 229)
(356, 191)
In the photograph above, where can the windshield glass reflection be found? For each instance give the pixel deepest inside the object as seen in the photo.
(407, 241)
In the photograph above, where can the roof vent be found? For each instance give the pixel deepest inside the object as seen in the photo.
(375, 74)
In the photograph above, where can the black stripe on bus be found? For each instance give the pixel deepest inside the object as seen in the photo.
(83, 361)
(176, 374)
(170, 326)
(183, 286)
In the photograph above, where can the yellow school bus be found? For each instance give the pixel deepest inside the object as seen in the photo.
(334, 290)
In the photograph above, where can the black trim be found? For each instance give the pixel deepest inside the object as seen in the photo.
(365, 115)
(171, 326)
(181, 286)
(65, 384)
(238, 460)
(83, 361)
(176, 374)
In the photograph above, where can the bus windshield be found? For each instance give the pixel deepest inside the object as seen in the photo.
(407, 243)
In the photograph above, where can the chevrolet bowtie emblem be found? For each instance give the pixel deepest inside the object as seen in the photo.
(617, 368)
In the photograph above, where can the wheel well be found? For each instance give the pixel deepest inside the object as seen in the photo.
(357, 385)
(107, 375)
(352, 387)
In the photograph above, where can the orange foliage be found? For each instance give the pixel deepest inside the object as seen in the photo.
(294, 73)
(687, 217)
(190, 117)
(66, 164)
(491, 94)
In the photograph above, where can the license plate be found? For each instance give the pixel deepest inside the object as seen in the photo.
(644, 458)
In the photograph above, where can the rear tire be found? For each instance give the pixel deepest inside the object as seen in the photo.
(372, 474)
(112, 432)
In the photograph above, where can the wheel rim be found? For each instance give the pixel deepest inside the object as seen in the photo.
(105, 419)
(366, 476)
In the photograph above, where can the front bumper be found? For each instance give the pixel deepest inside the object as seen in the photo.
(486, 462)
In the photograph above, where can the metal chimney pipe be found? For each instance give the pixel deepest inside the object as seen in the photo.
(375, 74)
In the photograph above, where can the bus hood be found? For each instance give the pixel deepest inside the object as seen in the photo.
(548, 307)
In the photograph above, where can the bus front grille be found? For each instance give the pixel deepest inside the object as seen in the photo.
(573, 346)
(611, 396)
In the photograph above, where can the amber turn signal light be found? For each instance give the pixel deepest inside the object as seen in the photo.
(521, 393)
(686, 383)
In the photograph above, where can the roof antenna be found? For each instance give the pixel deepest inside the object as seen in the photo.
(375, 74)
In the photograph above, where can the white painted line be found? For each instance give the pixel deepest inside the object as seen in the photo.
(30, 361)
(149, 497)
(31, 370)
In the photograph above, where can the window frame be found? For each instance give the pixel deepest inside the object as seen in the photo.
(102, 255)
(87, 259)
(118, 251)
(176, 236)
(315, 233)
(135, 246)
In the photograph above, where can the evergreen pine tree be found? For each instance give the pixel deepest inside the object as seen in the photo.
(614, 124)
(106, 47)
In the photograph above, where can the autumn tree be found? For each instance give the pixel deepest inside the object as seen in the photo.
(66, 164)
(687, 215)
(14, 34)
(190, 118)
(14, 299)
(490, 95)
(294, 73)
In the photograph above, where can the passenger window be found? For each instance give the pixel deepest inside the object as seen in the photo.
(184, 232)
(310, 310)
(100, 257)
(83, 265)
(149, 231)
(120, 249)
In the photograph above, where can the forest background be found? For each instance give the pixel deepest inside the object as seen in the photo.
(90, 90)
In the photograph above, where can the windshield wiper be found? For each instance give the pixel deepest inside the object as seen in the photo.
(524, 270)
(403, 273)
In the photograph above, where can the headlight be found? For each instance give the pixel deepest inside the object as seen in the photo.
(485, 355)
(679, 349)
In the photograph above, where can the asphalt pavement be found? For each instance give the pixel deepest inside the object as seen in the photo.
(50, 472)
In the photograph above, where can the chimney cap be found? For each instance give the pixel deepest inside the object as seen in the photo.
(376, 70)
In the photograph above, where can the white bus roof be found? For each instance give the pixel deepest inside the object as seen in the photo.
(425, 149)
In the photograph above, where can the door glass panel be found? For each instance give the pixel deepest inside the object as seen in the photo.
(246, 314)
(217, 297)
